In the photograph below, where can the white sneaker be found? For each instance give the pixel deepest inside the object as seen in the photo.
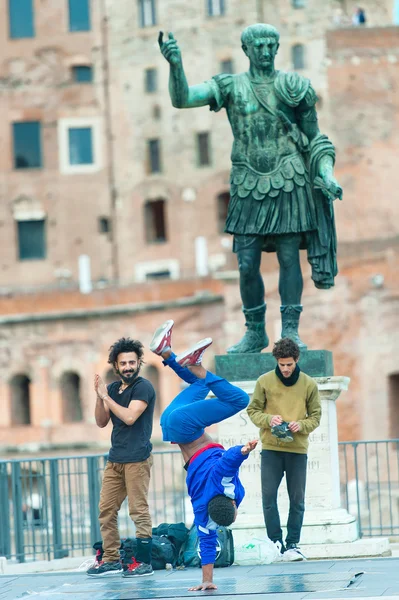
(162, 338)
(292, 554)
(194, 355)
(279, 555)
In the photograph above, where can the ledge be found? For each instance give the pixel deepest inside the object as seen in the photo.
(108, 311)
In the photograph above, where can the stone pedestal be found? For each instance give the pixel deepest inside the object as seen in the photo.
(328, 529)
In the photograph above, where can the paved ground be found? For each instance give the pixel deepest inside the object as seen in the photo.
(311, 580)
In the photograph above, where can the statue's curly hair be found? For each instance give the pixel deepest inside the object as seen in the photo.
(286, 348)
(259, 30)
(222, 510)
(125, 345)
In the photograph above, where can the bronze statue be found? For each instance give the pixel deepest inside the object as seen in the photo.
(282, 182)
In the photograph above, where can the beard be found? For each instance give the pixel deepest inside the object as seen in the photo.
(129, 378)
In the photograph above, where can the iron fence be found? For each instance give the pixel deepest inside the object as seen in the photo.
(49, 506)
(369, 473)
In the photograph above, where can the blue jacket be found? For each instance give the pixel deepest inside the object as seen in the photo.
(212, 472)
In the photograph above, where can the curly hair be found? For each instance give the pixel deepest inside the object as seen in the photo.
(286, 348)
(125, 345)
(222, 510)
(262, 30)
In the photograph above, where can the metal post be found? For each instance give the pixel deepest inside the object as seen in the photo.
(59, 552)
(359, 517)
(5, 526)
(16, 497)
(94, 497)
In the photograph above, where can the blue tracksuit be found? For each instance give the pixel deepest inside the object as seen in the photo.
(213, 470)
(210, 473)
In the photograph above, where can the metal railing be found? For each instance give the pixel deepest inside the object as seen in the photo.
(49, 506)
(369, 473)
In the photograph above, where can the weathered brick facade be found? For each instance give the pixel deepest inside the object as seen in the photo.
(355, 72)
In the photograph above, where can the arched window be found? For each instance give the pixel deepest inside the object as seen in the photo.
(20, 400)
(155, 221)
(71, 401)
(298, 56)
(110, 377)
(152, 374)
(223, 203)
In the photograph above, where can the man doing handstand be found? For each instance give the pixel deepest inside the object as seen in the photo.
(212, 472)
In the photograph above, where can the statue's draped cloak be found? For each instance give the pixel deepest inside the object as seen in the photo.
(274, 166)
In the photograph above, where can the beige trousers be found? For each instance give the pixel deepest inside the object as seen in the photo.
(121, 480)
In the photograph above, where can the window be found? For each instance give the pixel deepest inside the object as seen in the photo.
(226, 66)
(80, 146)
(156, 112)
(79, 15)
(152, 374)
(203, 149)
(82, 74)
(155, 221)
(20, 17)
(298, 56)
(20, 400)
(154, 156)
(27, 145)
(222, 207)
(393, 390)
(110, 377)
(298, 3)
(216, 8)
(155, 275)
(103, 225)
(70, 394)
(151, 80)
(147, 16)
(165, 268)
(31, 240)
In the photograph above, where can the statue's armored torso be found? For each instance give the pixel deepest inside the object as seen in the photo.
(268, 145)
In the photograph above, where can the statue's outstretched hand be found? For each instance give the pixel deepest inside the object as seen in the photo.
(170, 50)
(329, 186)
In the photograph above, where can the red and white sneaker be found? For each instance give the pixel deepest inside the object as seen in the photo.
(194, 355)
(162, 338)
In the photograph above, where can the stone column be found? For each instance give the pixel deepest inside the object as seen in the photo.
(328, 530)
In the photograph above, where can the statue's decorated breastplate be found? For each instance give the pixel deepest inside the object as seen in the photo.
(268, 144)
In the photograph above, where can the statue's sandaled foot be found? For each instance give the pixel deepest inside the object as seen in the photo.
(251, 343)
(295, 338)
(290, 314)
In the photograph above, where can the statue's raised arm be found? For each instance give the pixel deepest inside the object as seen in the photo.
(181, 94)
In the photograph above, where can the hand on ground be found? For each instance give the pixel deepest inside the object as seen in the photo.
(205, 585)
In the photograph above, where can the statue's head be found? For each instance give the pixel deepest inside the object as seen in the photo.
(260, 43)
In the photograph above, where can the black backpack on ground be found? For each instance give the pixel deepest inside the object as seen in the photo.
(162, 553)
(175, 532)
(190, 553)
(167, 540)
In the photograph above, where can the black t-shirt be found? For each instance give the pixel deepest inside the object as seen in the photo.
(132, 443)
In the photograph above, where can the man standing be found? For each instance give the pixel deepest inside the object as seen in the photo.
(282, 182)
(286, 407)
(212, 472)
(129, 404)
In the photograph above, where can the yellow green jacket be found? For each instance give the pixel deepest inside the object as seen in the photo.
(299, 402)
